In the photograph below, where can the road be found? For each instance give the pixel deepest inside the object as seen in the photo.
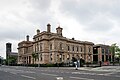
(54, 73)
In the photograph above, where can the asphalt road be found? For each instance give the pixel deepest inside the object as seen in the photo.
(54, 73)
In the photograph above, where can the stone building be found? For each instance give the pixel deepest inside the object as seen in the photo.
(102, 53)
(53, 48)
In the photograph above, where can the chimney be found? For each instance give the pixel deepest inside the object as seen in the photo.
(59, 31)
(73, 38)
(48, 27)
(38, 31)
(27, 37)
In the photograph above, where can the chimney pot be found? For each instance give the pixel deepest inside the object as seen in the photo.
(27, 37)
(38, 31)
(48, 27)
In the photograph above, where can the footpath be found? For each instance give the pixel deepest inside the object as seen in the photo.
(102, 68)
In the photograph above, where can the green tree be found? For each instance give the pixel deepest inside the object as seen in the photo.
(118, 54)
(11, 60)
(114, 48)
(34, 56)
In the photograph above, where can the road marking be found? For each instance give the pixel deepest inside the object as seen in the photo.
(28, 77)
(5, 71)
(101, 74)
(59, 78)
(84, 73)
(117, 76)
(68, 72)
(13, 73)
(81, 78)
(109, 74)
(57, 71)
(52, 71)
(30, 72)
(49, 74)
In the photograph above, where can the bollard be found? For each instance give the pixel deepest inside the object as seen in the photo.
(59, 78)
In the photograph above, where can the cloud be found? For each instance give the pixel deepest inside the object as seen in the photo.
(41, 5)
(88, 13)
(101, 23)
(81, 19)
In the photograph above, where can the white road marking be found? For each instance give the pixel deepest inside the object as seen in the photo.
(108, 74)
(105, 74)
(49, 74)
(67, 72)
(5, 71)
(59, 78)
(28, 77)
(117, 76)
(57, 71)
(83, 73)
(81, 78)
(13, 73)
(52, 71)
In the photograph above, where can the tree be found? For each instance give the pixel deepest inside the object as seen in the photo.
(118, 54)
(11, 60)
(34, 56)
(114, 48)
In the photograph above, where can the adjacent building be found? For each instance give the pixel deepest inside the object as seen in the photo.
(53, 48)
(102, 53)
(1, 60)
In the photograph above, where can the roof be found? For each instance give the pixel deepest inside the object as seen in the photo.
(13, 53)
(101, 45)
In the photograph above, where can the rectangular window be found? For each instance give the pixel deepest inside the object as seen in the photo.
(51, 59)
(73, 48)
(89, 49)
(68, 48)
(37, 47)
(40, 46)
(77, 48)
(81, 49)
(50, 46)
(41, 57)
(51, 56)
(102, 51)
(63, 57)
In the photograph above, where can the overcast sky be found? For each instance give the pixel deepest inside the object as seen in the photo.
(97, 21)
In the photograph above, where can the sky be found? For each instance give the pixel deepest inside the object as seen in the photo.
(97, 21)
